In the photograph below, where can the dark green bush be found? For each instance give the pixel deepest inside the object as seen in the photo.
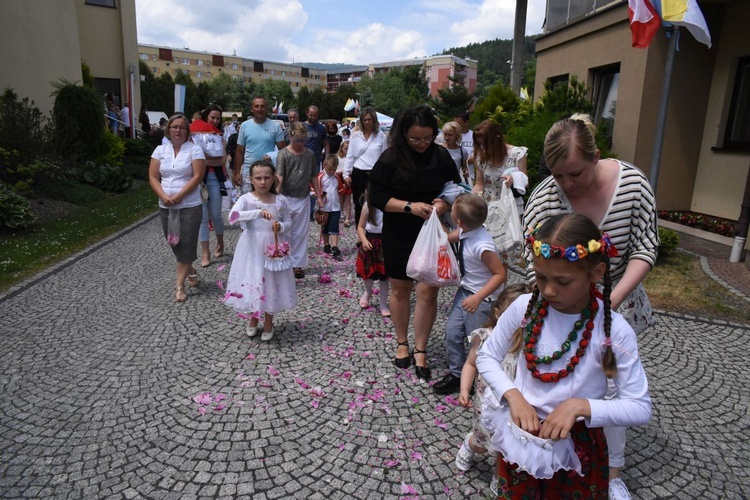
(670, 240)
(24, 137)
(78, 116)
(112, 150)
(498, 95)
(14, 209)
(137, 167)
(138, 147)
(110, 178)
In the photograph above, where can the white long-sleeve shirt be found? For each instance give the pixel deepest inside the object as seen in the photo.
(587, 381)
(363, 153)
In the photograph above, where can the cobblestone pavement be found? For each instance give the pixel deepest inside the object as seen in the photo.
(110, 389)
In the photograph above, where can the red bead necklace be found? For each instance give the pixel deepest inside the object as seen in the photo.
(534, 330)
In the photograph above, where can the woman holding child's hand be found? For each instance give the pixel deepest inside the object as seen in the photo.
(405, 184)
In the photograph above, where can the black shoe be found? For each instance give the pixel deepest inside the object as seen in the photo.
(326, 248)
(335, 251)
(422, 372)
(403, 362)
(447, 385)
(223, 191)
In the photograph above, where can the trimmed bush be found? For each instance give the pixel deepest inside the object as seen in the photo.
(138, 147)
(670, 240)
(70, 191)
(110, 178)
(78, 116)
(112, 148)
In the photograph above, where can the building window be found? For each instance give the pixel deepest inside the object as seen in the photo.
(737, 133)
(208, 74)
(155, 69)
(177, 60)
(199, 74)
(102, 3)
(200, 62)
(185, 60)
(153, 57)
(273, 72)
(235, 66)
(606, 81)
(558, 80)
(144, 57)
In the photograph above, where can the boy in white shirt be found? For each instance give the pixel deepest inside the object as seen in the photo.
(330, 185)
(483, 277)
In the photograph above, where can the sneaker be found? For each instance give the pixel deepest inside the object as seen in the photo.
(465, 456)
(335, 251)
(447, 385)
(618, 490)
(327, 249)
(266, 336)
(251, 331)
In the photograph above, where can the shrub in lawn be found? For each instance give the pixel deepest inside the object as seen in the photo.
(670, 240)
(14, 209)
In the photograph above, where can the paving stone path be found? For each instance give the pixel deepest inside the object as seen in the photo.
(109, 389)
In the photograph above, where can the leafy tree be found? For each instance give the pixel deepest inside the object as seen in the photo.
(87, 78)
(221, 91)
(453, 100)
(303, 100)
(499, 95)
(78, 116)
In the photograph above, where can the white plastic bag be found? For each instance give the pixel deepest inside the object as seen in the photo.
(173, 227)
(211, 144)
(432, 261)
(503, 222)
(230, 199)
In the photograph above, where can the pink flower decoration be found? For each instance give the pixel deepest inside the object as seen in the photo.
(203, 398)
(324, 278)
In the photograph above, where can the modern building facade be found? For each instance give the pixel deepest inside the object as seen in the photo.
(48, 39)
(202, 66)
(706, 150)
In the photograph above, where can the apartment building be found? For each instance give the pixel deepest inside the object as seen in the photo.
(202, 66)
(344, 76)
(438, 70)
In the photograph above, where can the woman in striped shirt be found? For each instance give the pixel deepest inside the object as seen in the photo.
(618, 198)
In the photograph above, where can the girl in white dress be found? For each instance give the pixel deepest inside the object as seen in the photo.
(261, 281)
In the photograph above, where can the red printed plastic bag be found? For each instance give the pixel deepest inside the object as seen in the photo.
(432, 261)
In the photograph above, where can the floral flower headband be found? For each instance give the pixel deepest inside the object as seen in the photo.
(572, 253)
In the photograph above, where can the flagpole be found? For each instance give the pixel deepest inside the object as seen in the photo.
(662, 117)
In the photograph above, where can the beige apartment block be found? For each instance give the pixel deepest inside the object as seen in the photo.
(46, 40)
(438, 70)
(202, 66)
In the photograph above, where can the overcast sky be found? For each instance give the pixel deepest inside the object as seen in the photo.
(350, 31)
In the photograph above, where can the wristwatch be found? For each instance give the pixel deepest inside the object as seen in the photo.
(407, 207)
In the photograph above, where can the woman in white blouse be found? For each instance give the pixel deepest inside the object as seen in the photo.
(365, 147)
(175, 174)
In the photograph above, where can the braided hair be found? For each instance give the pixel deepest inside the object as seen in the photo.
(567, 230)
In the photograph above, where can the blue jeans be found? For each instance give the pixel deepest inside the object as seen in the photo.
(213, 204)
(458, 327)
(332, 225)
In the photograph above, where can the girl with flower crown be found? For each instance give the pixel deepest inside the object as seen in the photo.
(548, 428)
(261, 281)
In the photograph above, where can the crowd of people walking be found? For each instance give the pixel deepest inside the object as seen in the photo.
(553, 364)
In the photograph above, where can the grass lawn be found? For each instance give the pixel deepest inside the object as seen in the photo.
(25, 252)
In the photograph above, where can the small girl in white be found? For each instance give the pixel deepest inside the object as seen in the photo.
(549, 427)
(370, 264)
(253, 288)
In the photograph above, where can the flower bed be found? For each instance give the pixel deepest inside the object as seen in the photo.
(708, 223)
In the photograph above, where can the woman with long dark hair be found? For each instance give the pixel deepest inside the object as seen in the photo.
(405, 184)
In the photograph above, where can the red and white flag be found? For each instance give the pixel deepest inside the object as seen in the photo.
(644, 22)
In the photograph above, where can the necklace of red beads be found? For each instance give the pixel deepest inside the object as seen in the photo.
(534, 330)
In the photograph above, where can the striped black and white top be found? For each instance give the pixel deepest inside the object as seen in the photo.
(630, 221)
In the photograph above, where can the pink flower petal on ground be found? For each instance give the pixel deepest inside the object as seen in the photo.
(220, 284)
(441, 408)
(250, 356)
(415, 400)
(219, 408)
(345, 321)
(415, 455)
(391, 463)
(273, 371)
(314, 404)
(317, 392)
(202, 410)
(407, 489)
(451, 400)
(397, 391)
(221, 268)
(203, 398)
(366, 354)
(243, 316)
(346, 374)
(220, 397)
(440, 424)
(447, 490)
(302, 383)
(262, 383)
(342, 446)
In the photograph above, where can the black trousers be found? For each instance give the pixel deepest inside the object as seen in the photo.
(360, 179)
